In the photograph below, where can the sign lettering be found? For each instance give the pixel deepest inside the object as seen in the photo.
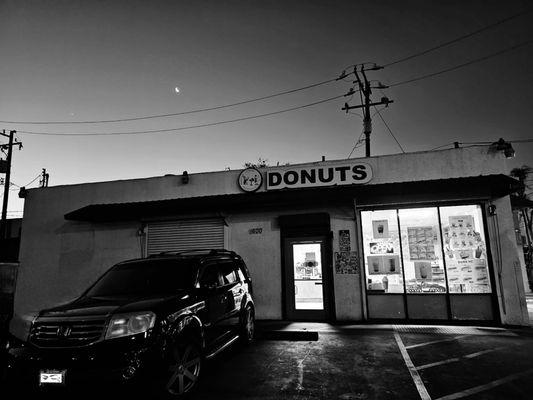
(311, 176)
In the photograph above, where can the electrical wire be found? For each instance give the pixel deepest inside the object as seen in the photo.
(458, 39)
(390, 131)
(500, 52)
(185, 127)
(357, 143)
(34, 179)
(198, 110)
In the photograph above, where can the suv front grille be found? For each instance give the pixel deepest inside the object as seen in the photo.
(67, 332)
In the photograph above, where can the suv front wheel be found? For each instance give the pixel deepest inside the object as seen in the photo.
(184, 368)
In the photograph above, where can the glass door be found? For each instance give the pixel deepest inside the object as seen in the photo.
(307, 264)
(305, 283)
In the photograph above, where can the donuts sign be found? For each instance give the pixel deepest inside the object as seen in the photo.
(313, 176)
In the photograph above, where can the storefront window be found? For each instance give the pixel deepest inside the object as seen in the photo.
(465, 249)
(382, 251)
(422, 250)
(421, 259)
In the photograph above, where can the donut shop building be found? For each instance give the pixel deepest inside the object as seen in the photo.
(424, 236)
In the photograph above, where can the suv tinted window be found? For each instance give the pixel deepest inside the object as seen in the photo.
(227, 271)
(210, 277)
(145, 277)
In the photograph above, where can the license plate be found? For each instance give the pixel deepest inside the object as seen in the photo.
(56, 377)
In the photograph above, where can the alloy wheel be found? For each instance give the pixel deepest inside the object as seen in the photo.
(185, 369)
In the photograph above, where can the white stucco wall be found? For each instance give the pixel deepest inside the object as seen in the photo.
(507, 269)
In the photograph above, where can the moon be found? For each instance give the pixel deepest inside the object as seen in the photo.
(177, 89)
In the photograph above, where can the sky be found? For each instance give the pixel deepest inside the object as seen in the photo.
(76, 60)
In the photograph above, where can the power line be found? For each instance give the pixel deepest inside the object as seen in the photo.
(458, 39)
(185, 127)
(481, 143)
(390, 131)
(34, 179)
(500, 52)
(198, 110)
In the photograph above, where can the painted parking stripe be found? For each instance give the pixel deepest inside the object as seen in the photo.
(422, 391)
(483, 388)
(456, 359)
(434, 341)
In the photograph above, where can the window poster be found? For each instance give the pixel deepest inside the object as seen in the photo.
(380, 229)
(468, 276)
(423, 270)
(422, 243)
(344, 240)
(375, 265)
(382, 247)
(463, 240)
(384, 265)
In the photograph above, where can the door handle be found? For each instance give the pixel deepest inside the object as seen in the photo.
(318, 283)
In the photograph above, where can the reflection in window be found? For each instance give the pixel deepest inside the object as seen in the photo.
(422, 252)
(382, 251)
(465, 249)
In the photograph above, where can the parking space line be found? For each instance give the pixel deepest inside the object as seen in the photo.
(434, 341)
(456, 359)
(482, 388)
(436, 364)
(422, 391)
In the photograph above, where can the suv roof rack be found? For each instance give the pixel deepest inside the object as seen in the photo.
(211, 252)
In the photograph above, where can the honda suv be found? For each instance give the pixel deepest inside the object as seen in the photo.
(155, 319)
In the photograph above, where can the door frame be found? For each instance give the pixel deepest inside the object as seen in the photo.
(289, 310)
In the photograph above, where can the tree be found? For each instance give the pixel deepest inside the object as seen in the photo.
(262, 163)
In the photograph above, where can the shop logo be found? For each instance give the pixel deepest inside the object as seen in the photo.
(250, 180)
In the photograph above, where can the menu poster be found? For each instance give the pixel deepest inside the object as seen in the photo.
(421, 243)
(423, 270)
(380, 229)
(462, 236)
(344, 240)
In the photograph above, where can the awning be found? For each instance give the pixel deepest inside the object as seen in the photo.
(456, 188)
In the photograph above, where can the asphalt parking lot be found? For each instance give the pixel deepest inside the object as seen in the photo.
(365, 362)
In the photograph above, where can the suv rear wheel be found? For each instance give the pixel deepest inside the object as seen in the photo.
(248, 325)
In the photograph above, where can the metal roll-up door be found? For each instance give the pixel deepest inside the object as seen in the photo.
(185, 235)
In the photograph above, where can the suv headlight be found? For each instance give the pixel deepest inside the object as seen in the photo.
(130, 324)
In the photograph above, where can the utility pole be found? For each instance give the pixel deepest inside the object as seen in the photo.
(365, 90)
(9, 148)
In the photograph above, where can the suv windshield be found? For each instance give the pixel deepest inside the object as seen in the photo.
(146, 277)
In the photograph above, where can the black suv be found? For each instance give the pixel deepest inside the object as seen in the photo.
(153, 320)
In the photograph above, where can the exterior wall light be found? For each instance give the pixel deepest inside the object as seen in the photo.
(185, 177)
(502, 145)
(23, 193)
